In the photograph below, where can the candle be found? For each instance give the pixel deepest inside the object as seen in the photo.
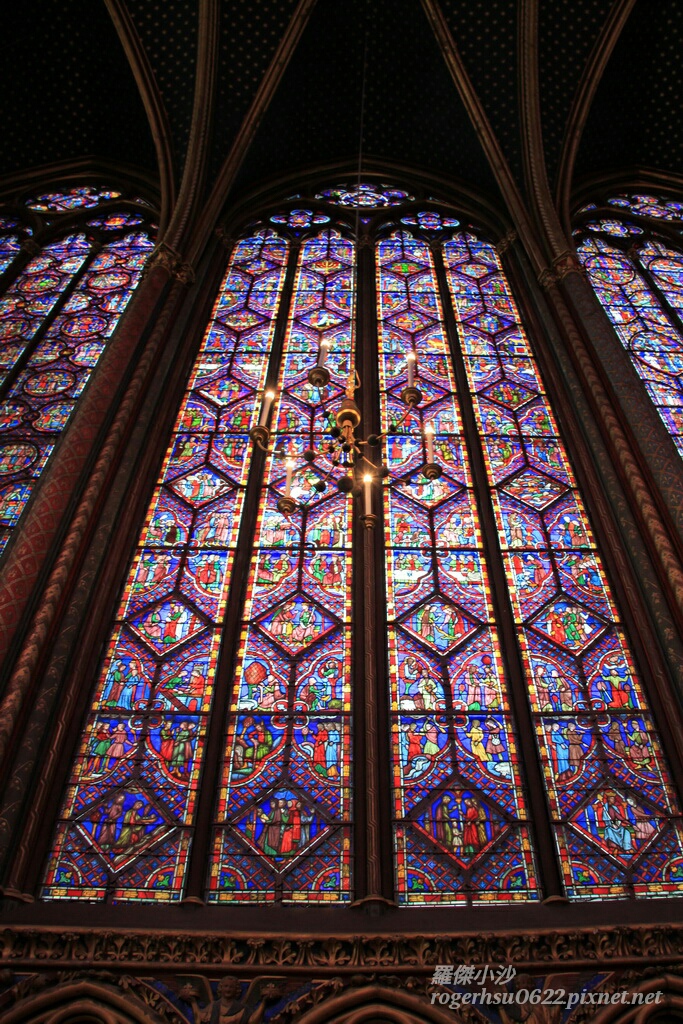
(323, 353)
(265, 408)
(411, 359)
(289, 465)
(429, 438)
(367, 493)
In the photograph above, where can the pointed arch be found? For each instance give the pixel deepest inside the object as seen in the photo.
(631, 249)
(370, 1004)
(233, 665)
(583, 99)
(80, 1002)
(153, 104)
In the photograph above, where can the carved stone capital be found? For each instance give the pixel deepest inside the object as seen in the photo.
(568, 263)
(547, 278)
(505, 242)
(170, 260)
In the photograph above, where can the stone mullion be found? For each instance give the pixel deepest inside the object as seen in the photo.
(558, 367)
(373, 837)
(674, 314)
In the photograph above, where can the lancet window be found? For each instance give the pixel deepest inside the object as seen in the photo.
(632, 248)
(69, 263)
(367, 609)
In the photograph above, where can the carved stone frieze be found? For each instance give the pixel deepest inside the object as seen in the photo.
(24, 947)
(180, 996)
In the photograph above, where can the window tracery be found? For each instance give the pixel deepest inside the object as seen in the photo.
(237, 693)
(58, 308)
(633, 256)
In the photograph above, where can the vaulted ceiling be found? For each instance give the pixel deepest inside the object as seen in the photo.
(114, 82)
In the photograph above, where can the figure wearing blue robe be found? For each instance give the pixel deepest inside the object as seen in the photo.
(561, 745)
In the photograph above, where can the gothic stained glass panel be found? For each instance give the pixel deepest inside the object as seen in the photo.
(39, 398)
(125, 828)
(364, 194)
(34, 294)
(10, 241)
(284, 808)
(650, 335)
(84, 197)
(460, 812)
(616, 818)
(648, 206)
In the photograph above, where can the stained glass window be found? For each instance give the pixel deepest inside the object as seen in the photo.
(637, 274)
(365, 194)
(614, 813)
(460, 812)
(126, 824)
(284, 809)
(81, 198)
(228, 695)
(56, 315)
(11, 234)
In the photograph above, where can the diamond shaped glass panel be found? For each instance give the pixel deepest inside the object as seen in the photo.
(321, 319)
(296, 624)
(410, 321)
(224, 391)
(439, 625)
(166, 625)
(535, 489)
(617, 822)
(281, 827)
(568, 624)
(509, 394)
(200, 486)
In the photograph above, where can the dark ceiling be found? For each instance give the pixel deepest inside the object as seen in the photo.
(412, 114)
(68, 91)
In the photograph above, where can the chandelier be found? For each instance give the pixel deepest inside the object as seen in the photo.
(343, 447)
